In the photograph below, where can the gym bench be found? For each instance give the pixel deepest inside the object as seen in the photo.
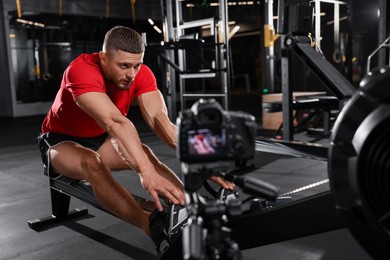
(323, 104)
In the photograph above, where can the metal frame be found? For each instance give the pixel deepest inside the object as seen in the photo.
(329, 75)
(383, 30)
(174, 30)
(270, 50)
(385, 44)
(5, 97)
(12, 107)
(301, 46)
(317, 10)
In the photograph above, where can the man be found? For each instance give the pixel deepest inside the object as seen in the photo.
(86, 133)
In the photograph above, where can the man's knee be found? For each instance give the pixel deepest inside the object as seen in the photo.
(92, 165)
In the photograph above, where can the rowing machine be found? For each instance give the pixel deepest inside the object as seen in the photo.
(61, 190)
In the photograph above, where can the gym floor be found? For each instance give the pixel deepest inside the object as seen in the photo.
(24, 195)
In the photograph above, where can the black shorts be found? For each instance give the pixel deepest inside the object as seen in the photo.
(47, 140)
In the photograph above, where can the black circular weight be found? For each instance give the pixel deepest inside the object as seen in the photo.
(359, 163)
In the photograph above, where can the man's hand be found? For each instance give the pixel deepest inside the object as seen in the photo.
(158, 186)
(224, 183)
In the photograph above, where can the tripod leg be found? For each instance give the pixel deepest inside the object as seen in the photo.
(232, 251)
(193, 246)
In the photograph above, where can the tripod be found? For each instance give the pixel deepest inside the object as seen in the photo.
(207, 235)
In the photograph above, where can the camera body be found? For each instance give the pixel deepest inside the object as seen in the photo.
(207, 133)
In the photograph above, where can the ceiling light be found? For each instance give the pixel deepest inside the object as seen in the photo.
(157, 29)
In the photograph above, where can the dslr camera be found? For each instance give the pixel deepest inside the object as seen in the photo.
(207, 133)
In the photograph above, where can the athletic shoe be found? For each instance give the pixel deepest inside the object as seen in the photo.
(165, 226)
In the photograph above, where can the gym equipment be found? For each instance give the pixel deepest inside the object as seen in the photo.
(317, 105)
(178, 27)
(359, 154)
(61, 190)
(359, 163)
(311, 215)
(295, 24)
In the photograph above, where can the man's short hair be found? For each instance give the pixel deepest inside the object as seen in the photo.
(125, 39)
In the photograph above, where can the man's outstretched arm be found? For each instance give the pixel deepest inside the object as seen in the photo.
(155, 113)
(99, 106)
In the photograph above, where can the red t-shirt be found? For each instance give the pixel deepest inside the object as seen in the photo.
(83, 75)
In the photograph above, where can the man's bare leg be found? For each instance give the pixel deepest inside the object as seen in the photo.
(74, 161)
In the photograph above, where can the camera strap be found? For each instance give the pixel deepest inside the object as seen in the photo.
(210, 189)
